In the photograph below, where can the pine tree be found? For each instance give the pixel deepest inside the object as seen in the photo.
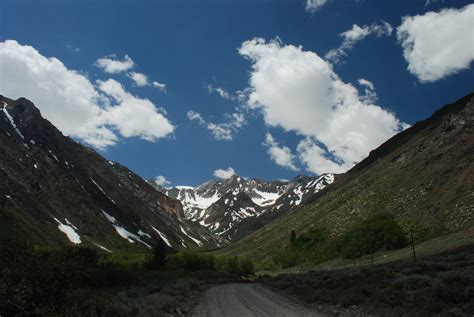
(159, 254)
(293, 236)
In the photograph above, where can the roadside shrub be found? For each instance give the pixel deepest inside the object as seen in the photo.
(412, 282)
(268, 264)
(192, 261)
(42, 280)
(380, 232)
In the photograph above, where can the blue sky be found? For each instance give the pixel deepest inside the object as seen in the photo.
(189, 45)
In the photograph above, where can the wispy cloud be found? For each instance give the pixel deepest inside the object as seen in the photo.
(356, 34)
(314, 5)
(220, 131)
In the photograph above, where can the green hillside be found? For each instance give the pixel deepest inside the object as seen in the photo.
(423, 176)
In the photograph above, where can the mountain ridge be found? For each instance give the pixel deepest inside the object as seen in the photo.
(231, 208)
(56, 190)
(423, 176)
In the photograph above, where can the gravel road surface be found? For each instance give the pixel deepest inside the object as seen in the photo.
(242, 300)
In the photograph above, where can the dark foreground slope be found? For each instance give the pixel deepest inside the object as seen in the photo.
(424, 176)
(54, 190)
(435, 285)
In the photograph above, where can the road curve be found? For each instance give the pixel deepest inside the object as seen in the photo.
(242, 300)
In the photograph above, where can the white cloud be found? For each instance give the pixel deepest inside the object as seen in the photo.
(114, 66)
(65, 97)
(438, 44)
(224, 174)
(221, 131)
(161, 181)
(281, 155)
(314, 5)
(299, 91)
(370, 96)
(430, 2)
(221, 91)
(133, 116)
(140, 79)
(71, 102)
(356, 34)
(160, 86)
(74, 49)
(195, 116)
(316, 158)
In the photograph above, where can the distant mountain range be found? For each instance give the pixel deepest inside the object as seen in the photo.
(55, 190)
(234, 207)
(424, 176)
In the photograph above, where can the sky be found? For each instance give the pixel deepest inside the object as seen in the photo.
(185, 91)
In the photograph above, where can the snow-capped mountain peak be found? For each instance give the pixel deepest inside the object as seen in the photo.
(226, 206)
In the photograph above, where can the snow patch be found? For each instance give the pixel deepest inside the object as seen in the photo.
(265, 198)
(103, 192)
(143, 234)
(124, 233)
(12, 122)
(71, 234)
(199, 243)
(102, 247)
(162, 236)
(54, 156)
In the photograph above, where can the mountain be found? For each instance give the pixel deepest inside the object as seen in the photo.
(424, 176)
(55, 190)
(234, 207)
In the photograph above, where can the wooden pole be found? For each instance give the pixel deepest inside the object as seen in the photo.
(413, 244)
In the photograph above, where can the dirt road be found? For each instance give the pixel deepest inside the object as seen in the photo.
(242, 300)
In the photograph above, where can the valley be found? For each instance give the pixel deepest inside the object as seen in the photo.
(61, 195)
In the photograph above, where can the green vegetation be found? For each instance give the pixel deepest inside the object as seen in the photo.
(438, 285)
(380, 232)
(193, 261)
(78, 280)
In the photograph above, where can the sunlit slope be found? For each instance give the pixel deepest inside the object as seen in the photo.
(424, 176)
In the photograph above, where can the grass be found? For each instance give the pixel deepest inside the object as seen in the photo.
(427, 248)
(435, 285)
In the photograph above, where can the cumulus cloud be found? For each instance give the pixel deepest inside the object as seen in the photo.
(438, 44)
(317, 160)
(224, 173)
(220, 131)
(298, 91)
(140, 79)
(74, 104)
(281, 155)
(112, 65)
(161, 181)
(356, 34)
(133, 116)
(314, 5)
